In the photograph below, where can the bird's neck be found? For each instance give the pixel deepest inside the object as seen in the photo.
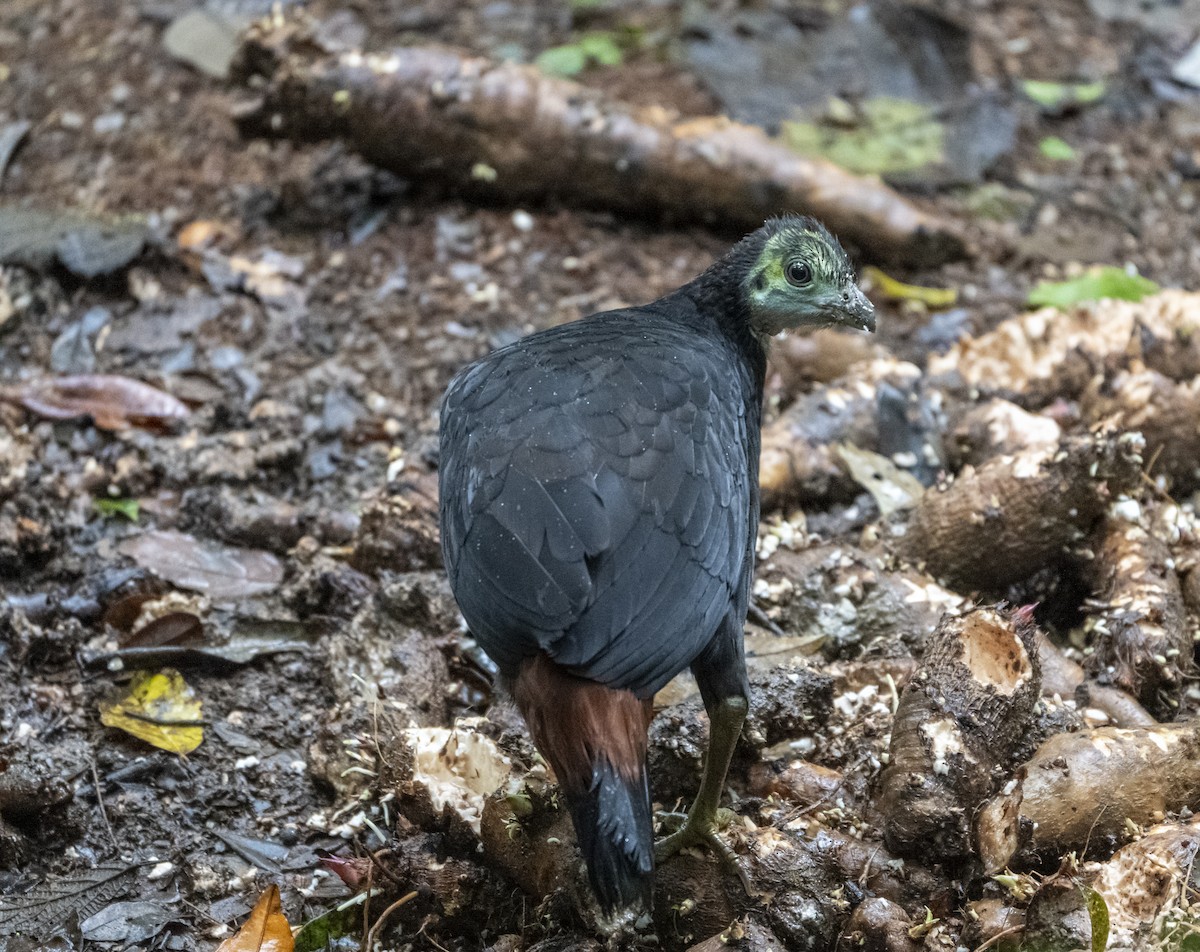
(717, 293)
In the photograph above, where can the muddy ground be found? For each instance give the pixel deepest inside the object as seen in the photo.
(313, 374)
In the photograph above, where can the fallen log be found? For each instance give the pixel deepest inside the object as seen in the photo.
(1090, 791)
(1140, 637)
(502, 131)
(1002, 522)
(960, 718)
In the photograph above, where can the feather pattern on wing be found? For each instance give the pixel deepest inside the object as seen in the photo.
(599, 505)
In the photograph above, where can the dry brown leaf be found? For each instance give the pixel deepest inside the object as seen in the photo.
(113, 402)
(200, 234)
(266, 930)
(173, 628)
(221, 573)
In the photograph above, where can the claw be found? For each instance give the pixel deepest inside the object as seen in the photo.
(703, 832)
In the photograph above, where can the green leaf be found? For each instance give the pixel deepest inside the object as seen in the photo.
(1052, 147)
(117, 507)
(602, 48)
(1053, 97)
(568, 60)
(1105, 282)
(1190, 942)
(891, 135)
(1098, 912)
(318, 934)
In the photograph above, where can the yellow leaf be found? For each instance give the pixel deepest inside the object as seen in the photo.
(159, 709)
(266, 930)
(899, 291)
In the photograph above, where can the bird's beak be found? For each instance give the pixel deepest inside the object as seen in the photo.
(860, 312)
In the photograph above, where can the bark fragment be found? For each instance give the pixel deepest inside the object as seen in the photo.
(851, 599)
(1049, 353)
(1000, 523)
(1146, 881)
(501, 130)
(1082, 791)
(1064, 677)
(1166, 413)
(995, 921)
(997, 428)
(960, 718)
(823, 356)
(877, 925)
(799, 782)
(745, 935)
(399, 530)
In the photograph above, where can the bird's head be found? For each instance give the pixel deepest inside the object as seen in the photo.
(803, 278)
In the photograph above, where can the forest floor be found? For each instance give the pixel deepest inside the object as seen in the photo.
(310, 310)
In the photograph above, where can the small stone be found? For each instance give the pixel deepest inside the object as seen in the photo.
(108, 122)
(203, 39)
(1187, 70)
(522, 220)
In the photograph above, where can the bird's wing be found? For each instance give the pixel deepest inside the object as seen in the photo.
(596, 500)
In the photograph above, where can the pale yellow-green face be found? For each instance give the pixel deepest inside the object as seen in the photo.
(803, 278)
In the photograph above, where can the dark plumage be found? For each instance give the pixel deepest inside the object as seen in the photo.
(599, 504)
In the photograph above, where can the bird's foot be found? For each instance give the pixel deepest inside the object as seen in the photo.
(693, 830)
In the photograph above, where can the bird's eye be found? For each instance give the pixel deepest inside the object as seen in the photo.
(797, 273)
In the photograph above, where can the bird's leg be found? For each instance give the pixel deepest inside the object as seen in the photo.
(700, 827)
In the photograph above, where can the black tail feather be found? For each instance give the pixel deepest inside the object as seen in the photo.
(616, 836)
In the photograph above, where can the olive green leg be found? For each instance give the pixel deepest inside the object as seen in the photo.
(700, 826)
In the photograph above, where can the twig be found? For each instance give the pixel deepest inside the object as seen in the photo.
(373, 934)
(763, 620)
(1013, 930)
(376, 859)
(163, 722)
(428, 938)
(100, 800)
(366, 926)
